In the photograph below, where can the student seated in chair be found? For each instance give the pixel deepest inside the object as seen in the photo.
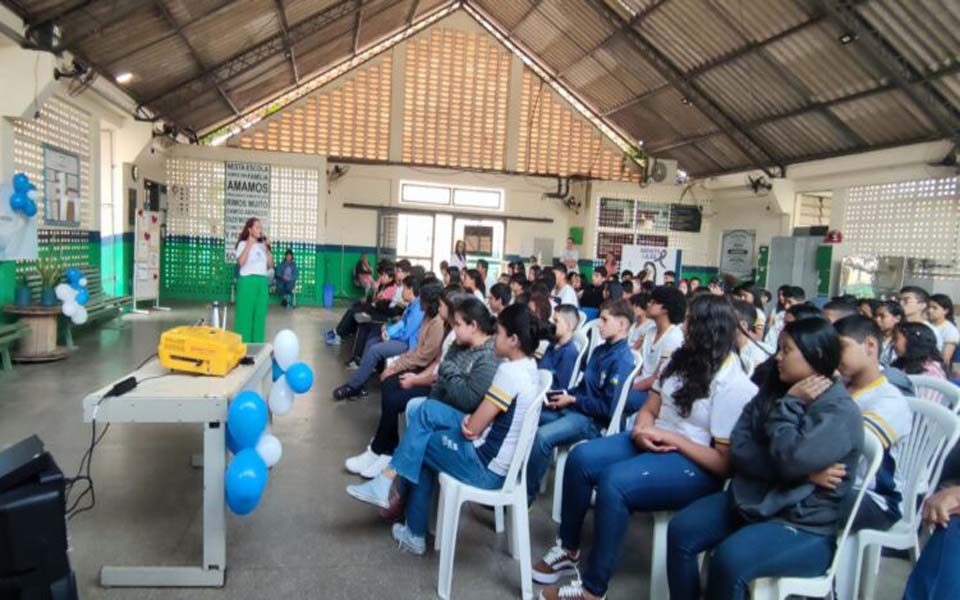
(286, 278)
(677, 452)
(387, 341)
(561, 356)
(475, 448)
(772, 521)
(666, 308)
(583, 412)
(879, 393)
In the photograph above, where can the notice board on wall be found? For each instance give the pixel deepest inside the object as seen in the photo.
(246, 194)
(146, 256)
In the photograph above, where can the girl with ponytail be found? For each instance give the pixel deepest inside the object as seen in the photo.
(475, 448)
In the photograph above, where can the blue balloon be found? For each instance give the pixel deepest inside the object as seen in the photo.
(245, 481)
(82, 296)
(30, 208)
(277, 371)
(21, 183)
(246, 418)
(299, 377)
(231, 443)
(73, 275)
(18, 201)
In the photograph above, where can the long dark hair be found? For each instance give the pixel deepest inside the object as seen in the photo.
(542, 304)
(711, 331)
(944, 302)
(245, 234)
(471, 310)
(520, 321)
(430, 294)
(818, 343)
(921, 348)
(478, 280)
(456, 250)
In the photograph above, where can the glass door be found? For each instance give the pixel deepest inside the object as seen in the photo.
(483, 239)
(415, 239)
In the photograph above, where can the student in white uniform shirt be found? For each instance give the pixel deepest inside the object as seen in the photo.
(751, 351)
(887, 316)
(642, 324)
(563, 290)
(792, 295)
(915, 301)
(667, 308)
(940, 311)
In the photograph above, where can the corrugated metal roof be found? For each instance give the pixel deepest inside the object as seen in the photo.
(750, 88)
(687, 35)
(771, 68)
(925, 32)
(884, 118)
(805, 135)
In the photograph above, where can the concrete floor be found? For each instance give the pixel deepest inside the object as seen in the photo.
(307, 538)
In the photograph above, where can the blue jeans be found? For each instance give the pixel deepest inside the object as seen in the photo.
(627, 480)
(557, 428)
(413, 406)
(936, 576)
(372, 356)
(742, 551)
(434, 444)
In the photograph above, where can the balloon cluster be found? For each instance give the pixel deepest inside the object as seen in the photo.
(255, 449)
(24, 192)
(74, 296)
(289, 376)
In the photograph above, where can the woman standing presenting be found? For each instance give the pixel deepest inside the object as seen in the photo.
(254, 258)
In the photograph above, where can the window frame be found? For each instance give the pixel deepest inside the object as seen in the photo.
(451, 202)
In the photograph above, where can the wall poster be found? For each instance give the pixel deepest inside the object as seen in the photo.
(246, 194)
(61, 187)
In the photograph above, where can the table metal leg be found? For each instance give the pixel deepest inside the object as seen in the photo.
(214, 519)
(211, 572)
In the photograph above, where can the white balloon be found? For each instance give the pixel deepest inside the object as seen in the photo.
(270, 449)
(82, 282)
(281, 398)
(63, 292)
(79, 317)
(69, 308)
(286, 348)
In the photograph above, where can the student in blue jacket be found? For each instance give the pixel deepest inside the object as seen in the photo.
(583, 412)
(561, 356)
(396, 339)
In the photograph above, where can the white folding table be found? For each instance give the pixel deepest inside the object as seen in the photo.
(184, 398)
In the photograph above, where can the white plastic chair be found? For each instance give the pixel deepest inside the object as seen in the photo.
(513, 496)
(935, 431)
(612, 429)
(949, 394)
(583, 320)
(778, 588)
(580, 339)
(593, 337)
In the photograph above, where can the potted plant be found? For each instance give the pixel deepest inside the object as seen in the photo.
(21, 294)
(51, 271)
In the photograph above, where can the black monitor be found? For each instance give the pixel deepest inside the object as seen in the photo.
(33, 528)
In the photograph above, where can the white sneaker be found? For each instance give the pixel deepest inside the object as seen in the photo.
(360, 463)
(377, 466)
(375, 492)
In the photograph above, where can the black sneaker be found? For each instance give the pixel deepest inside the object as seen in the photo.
(283, 302)
(346, 392)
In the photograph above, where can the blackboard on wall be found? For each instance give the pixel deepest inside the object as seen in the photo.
(685, 217)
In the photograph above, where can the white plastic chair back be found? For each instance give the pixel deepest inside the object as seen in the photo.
(934, 433)
(593, 337)
(517, 474)
(777, 588)
(940, 390)
(583, 320)
(616, 421)
(580, 339)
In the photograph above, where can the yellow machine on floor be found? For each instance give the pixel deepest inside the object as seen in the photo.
(201, 349)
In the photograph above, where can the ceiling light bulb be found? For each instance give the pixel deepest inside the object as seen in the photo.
(125, 77)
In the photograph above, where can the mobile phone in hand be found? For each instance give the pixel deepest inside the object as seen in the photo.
(552, 395)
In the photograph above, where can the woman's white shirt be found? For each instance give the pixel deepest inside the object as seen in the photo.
(256, 259)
